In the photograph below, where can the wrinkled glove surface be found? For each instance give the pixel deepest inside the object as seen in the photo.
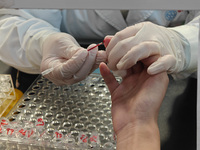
(141, 41)
(71, 62)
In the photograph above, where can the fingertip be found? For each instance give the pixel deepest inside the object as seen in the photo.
(107, 39)
(92, 52)
(120, 66)
(101, 57)
(108, 77)
(149, 71)
(103, 69)
(165, 63)
(101, 64)
(92, 48)
(155, 68)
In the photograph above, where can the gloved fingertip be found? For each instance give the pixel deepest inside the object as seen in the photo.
(119, 66)
(107, 40)
(91, 45)
(93, 48)
(80, 55)
(124, 64)
(93, 52)
(155, 68)
(165, 63)
(109, 36)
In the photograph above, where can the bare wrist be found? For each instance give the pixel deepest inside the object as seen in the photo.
(140, 137)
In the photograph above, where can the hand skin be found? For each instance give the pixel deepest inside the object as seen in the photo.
(135, 106)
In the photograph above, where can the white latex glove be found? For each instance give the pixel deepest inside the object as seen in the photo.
(141, 41)
(71, 62)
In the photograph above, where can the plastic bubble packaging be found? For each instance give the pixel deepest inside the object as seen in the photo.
(61, 117)
(7, 93)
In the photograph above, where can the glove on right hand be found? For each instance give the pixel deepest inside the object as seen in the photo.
(138, 42)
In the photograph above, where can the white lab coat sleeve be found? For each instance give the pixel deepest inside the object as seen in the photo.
(21, 39)
(189, 34)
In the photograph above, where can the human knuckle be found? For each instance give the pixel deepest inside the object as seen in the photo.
(151, 45)
(123, 45)
(119, 36)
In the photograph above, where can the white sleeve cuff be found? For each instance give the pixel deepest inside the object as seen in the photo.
(34, 47)
(189, 37)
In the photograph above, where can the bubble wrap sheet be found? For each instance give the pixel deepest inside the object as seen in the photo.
(61, 117)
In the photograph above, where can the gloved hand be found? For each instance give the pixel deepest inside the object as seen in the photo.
(71, 62)
(135, 43)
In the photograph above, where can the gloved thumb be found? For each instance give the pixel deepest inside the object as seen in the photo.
(73, 65)
(88, 64)
(164, 63)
